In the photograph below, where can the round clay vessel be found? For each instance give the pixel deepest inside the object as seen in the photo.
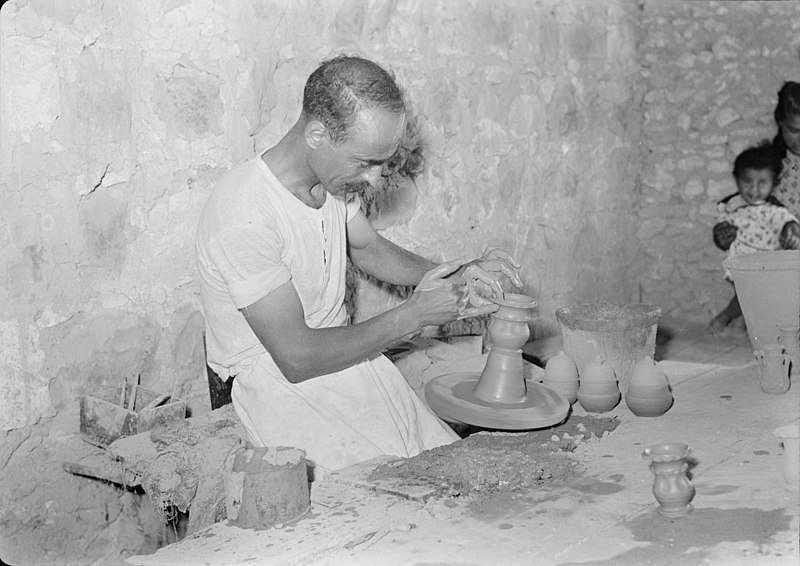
(648, 401)
(561, 374)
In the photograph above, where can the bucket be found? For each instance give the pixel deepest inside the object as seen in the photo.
(768, 287)
(265, 486)
(621, 335)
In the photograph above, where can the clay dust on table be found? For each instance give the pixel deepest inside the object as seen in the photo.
(500, 461)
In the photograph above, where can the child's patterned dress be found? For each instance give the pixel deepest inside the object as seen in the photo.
(759, 225)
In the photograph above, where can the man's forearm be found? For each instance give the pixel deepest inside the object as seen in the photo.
(333, 349)
(302, 352)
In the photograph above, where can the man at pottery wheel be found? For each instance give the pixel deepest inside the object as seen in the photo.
(271, 246)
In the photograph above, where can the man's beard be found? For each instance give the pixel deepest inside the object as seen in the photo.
(355, 188)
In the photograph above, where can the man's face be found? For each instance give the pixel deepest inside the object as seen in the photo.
(790, 132)
(353, 164)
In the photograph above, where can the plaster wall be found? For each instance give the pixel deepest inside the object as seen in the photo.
(710, 76)
(117, 117)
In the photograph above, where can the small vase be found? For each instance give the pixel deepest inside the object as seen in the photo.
(773, 369)
(671, 485)
(789, 338)
(561, 375)
(598, 391)
(790, 437)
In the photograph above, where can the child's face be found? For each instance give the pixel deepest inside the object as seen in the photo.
(755, 185)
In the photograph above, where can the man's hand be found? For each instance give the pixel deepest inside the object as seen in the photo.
(487, 278)
(440, 299)
(790, 236)
(724, 235)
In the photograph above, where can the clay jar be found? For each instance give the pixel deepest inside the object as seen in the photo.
(598, 391)
(561, 375)
(648, 393)
(672, 487)
(773, 369)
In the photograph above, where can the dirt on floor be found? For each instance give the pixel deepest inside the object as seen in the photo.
(491, 462)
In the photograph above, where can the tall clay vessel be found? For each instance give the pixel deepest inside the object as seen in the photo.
(502, 379)
(671, 485)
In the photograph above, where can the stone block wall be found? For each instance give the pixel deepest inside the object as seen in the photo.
(545, 129)
(710, 76)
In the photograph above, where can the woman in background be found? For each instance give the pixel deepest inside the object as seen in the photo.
(787, 145)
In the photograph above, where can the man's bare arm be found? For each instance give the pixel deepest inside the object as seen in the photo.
(303, 353)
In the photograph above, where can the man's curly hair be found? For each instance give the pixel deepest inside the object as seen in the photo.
(340, 87)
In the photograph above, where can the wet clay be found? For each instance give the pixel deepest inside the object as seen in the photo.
(688, 540)
(492, 462)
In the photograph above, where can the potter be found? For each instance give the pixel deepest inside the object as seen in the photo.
(272, 247)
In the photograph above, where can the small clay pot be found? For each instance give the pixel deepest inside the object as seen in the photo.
(648, 401)
(561, 375)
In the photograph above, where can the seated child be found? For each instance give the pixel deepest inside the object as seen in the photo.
(752, 220)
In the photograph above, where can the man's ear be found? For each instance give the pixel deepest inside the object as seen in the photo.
(315, 133)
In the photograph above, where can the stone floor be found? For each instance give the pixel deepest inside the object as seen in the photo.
(743, 511)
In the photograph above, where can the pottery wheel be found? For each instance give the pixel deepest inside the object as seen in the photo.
(450, 396)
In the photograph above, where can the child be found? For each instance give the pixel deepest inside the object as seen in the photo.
(752, 220)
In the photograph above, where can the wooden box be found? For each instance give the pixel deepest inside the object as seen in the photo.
(103, 422)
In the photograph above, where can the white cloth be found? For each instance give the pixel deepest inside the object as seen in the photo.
(253, 237)
(339, 419)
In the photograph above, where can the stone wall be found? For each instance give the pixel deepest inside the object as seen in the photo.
(710, 73)
(117, 117)
(530, 116)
